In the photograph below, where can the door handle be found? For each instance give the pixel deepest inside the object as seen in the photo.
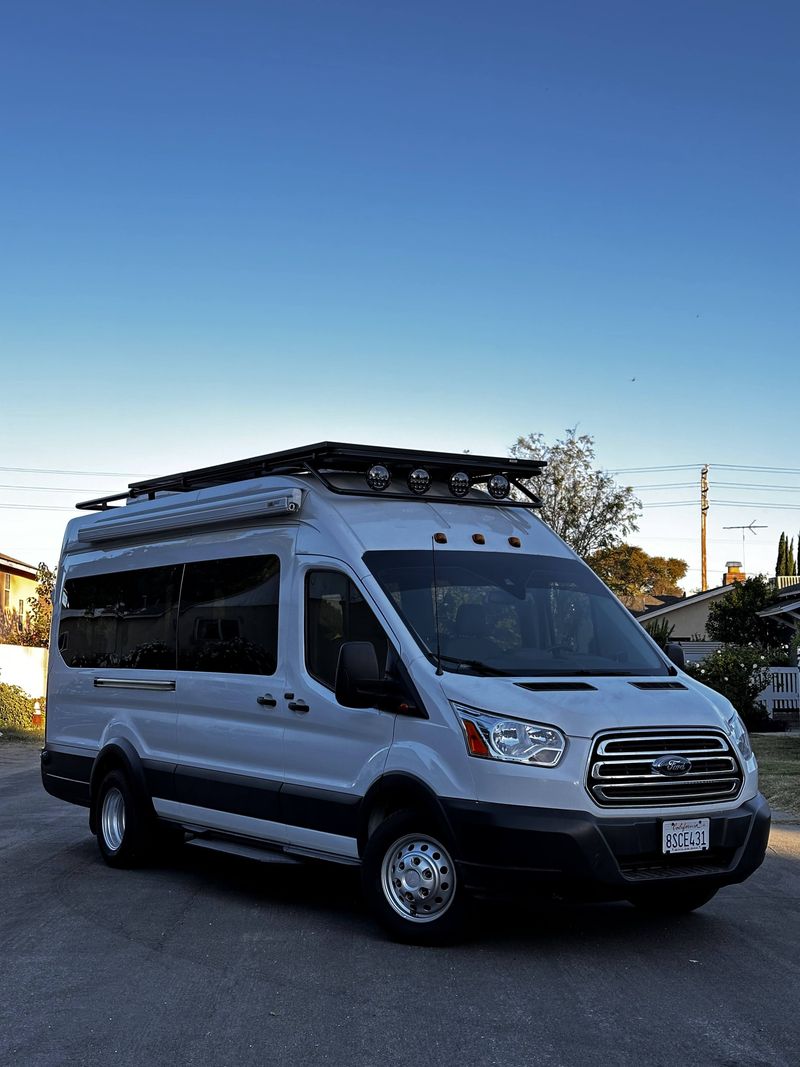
(298, 705)
(267, 701)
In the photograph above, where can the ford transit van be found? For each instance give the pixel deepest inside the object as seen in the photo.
(384, 658)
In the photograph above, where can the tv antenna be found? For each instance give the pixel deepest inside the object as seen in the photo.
(753, 528)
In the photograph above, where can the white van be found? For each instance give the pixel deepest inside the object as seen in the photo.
(384, 658)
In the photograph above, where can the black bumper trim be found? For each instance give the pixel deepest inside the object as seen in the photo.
(507, 848)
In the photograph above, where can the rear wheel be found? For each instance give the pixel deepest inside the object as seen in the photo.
(124, 833)
(411, 881)
(673, 900)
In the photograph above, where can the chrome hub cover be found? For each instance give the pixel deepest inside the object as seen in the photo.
(418, 878)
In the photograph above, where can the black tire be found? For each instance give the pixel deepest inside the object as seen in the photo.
(125, 834)
(439, 916)
(672, 900)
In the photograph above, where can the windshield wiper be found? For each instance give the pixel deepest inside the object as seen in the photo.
(473, 664)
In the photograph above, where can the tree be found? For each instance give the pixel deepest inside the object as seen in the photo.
(734, 618)
(34, 630)
(780, 562)
(791, 567)
(582, 504)
(629, 571)
(41, 607)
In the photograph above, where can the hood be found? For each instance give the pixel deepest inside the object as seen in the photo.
(608, 703)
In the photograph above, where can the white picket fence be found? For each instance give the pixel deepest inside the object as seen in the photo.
(782, 695)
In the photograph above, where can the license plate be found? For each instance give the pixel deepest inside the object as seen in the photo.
(685, 835)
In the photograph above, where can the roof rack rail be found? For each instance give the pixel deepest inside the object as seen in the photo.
(331, 458)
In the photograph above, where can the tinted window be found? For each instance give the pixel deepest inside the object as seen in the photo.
(337, 612)
(120, 620)
(229, 616)
(507, 613)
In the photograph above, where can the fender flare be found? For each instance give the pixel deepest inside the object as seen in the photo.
(399, 788)
(119, 753)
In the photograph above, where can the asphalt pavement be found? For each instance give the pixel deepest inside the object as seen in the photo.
(207, 959)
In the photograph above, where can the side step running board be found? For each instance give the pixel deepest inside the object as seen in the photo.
(250, 852)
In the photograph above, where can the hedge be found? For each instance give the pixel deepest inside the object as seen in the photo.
(17, 709)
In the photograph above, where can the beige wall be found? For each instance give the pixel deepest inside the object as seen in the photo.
(14, 588)
(688, 620)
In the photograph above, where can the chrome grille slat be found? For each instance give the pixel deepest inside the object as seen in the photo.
(706, 771)
(709, 743)
(617, 777)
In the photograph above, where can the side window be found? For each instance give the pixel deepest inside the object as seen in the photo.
(229, 616)
(335, 612)
(120, 620)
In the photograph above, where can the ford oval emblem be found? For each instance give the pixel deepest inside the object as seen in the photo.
(672, 766)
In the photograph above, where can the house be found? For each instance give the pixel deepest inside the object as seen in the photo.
(688, 616)
(786, 609)
(17, 584)
(638, 603)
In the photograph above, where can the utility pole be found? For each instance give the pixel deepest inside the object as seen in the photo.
(703, 520)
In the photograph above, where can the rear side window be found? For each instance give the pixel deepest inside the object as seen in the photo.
(120, 620)
(337, 612)
(228, 618)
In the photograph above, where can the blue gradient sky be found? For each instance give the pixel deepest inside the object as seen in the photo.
(230, 228)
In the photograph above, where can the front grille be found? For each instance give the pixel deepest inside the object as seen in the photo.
(621, 772)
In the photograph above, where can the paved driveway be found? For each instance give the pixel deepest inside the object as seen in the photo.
(216, 961)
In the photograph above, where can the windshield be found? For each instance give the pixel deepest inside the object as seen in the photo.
(514, 614)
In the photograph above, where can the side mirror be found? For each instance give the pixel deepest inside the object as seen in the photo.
(674, 652)
(361, 684)
(357, 668)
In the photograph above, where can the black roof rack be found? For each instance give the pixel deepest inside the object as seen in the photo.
(334, 458)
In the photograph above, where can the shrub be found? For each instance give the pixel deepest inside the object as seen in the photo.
(740, 673)
(661, 631)
(17, 708)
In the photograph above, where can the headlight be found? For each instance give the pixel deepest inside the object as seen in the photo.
(741, 738)
(510, 740)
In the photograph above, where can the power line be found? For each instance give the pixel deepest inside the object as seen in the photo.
(32, 507)
(78, 474)
(52, 489)
(740, 467)
(647, 470)
(748, 486)
(721, 504)
(714, 466)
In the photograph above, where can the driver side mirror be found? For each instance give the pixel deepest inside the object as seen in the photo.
(357, 665)
(674, 652)
(359, 682)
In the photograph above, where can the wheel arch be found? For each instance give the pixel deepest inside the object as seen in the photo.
(119, 754)
(394, 792)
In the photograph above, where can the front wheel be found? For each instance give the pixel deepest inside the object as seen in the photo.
(412, 883)
(672, 900)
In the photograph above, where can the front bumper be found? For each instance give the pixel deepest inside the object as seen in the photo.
(505, 848)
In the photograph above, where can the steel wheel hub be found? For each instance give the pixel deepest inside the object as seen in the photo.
(112, 818)
(418, 878)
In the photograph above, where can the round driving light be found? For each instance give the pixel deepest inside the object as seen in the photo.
(378, 477)
(459, 483)
(498, 486)
(419, 481)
